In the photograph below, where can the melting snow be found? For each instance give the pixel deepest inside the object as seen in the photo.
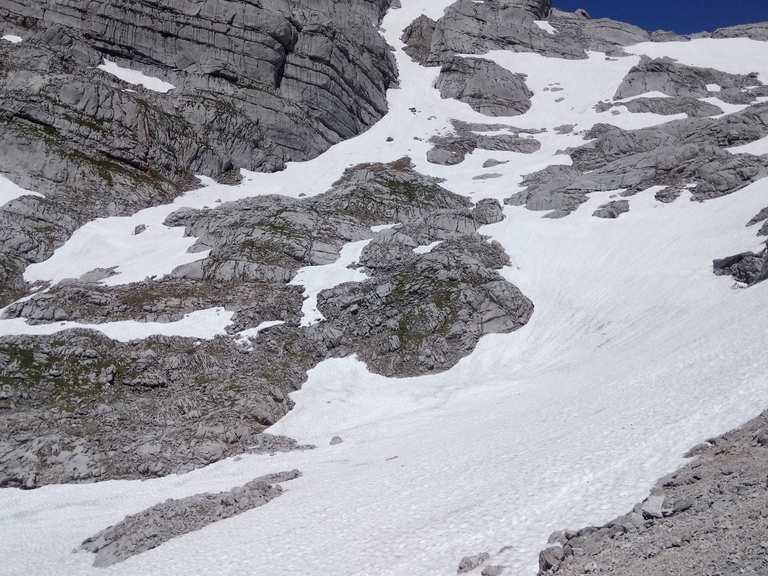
(245, 336)
(428, 248)
(10, 191)
(315, 279)
(203, 324)
(136, 77)
(546, 26)
(12, 39)
(758, 148)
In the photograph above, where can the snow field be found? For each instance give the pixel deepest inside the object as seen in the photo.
(635, 353)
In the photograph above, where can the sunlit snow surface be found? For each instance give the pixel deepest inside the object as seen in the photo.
(635, 352)
(315, 279)
(546, 26)
(245, 336)
(13, 39)
(135, 77)
(10, 191)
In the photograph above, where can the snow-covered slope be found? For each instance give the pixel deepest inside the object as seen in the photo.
(635, 352)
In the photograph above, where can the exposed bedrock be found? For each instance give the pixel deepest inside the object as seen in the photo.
(680, 155)
(269, 238)
(452, 149)
(747, 268)
(79, 407)
(756, 31)
(692, 107)
(674, 79)
(469, 27)
(256, 85)
(424, 311)
(709, 517)
(167, 300)
(320, 65)
(485, 86)
(612, 210)
(157, 525)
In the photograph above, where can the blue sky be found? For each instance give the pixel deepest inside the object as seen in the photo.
(682, 16)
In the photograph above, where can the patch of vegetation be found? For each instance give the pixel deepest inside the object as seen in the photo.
(409, 190)
(263, 251)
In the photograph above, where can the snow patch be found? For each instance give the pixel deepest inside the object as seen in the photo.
(382, 227)
(10, 191)
(12, 38)
(757, 148)
(315, 279)
(427, 248)
(135, 77)
(651, 94)
(546, 26)
(245, 336)
(203, 324)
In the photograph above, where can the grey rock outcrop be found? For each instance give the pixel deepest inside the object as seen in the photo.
(469, 563)
(256, 85)
(692, 107)
(469, 27)
(268, 238)
(421, 312)
(81, 407)
(680, 155)
(612, 209)
(161, 301)
(452, 149)
(748, 267)
(323, 64)
(709, 517)
(756, 31)
(674, 79)
(485, 86)
(157, 525)
(493, 162)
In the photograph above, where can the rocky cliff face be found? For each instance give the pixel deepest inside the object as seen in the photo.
(255, 85)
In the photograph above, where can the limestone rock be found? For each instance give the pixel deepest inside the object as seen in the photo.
(469, 563)
(709, 519)
(157, 525)
(612, 209)
(674, 79)
(256, 85)
(485, 86)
